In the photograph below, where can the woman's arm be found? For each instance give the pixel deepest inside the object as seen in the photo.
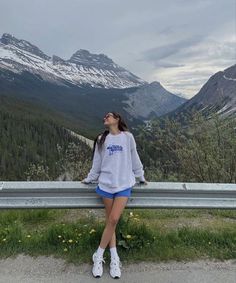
(137, 165)
(96, 166)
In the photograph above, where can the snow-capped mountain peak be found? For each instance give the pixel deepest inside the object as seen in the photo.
(83, 68)
(9, 39)
(84, 57)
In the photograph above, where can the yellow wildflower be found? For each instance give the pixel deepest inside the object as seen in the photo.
(70, 241)
(128, 236)
(92, 231)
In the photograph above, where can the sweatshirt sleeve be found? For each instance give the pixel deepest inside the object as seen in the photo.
(96, 166)
(137, 165)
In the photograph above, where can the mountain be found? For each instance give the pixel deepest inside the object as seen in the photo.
(82, 88)
(151, 100)
(217, 95)
(83, 68)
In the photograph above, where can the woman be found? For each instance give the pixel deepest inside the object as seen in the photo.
(116, 163)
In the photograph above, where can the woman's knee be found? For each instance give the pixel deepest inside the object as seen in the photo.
(112, 220)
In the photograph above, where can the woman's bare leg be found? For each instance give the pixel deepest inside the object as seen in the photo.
(108, 202)
(118, 205)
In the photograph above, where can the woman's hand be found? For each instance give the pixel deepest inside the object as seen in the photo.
(84, 182)
(143, 182)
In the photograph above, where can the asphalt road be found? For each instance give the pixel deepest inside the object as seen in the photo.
(25, 269)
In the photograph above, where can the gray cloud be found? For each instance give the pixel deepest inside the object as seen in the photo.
(155, 39)
(169, 65)
(161, 52)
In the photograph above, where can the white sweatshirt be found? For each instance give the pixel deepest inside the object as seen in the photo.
(117, 164)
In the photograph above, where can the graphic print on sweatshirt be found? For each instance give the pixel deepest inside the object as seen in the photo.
(114, 148)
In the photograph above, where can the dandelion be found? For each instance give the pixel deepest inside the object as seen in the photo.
(4, 239)
(19, 241)
(59, 236)
(131, 213)
(70, 241)
(63, 241)
(128, 236)
(28, 236)
(92, 231)
(209, 243)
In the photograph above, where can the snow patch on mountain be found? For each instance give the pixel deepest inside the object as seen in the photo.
(231, 79)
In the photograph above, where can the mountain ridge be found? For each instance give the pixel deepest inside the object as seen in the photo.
(82, 68)
(218, 95)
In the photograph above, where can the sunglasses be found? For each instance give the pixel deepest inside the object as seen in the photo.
(108, 115)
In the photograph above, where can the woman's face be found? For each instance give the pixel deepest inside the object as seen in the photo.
(109, 119)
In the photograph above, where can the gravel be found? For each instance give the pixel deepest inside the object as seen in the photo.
(26, 269)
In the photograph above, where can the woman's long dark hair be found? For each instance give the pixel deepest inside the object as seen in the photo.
(122, 126)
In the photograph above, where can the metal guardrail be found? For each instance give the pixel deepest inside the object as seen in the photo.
(74, 194)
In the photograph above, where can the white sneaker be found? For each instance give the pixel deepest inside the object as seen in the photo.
(115, 265)
(97, 265)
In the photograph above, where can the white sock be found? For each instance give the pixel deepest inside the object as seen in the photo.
(100, 251)
(113, 252)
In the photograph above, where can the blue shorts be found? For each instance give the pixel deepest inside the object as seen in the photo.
(123, 193)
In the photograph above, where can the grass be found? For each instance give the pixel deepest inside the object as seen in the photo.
(142, 234)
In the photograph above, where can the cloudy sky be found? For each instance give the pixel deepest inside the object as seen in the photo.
(179, 43)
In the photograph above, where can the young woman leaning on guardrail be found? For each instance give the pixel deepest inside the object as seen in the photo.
(116, 163)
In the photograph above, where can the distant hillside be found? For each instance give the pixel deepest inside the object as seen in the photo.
(29, 134)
